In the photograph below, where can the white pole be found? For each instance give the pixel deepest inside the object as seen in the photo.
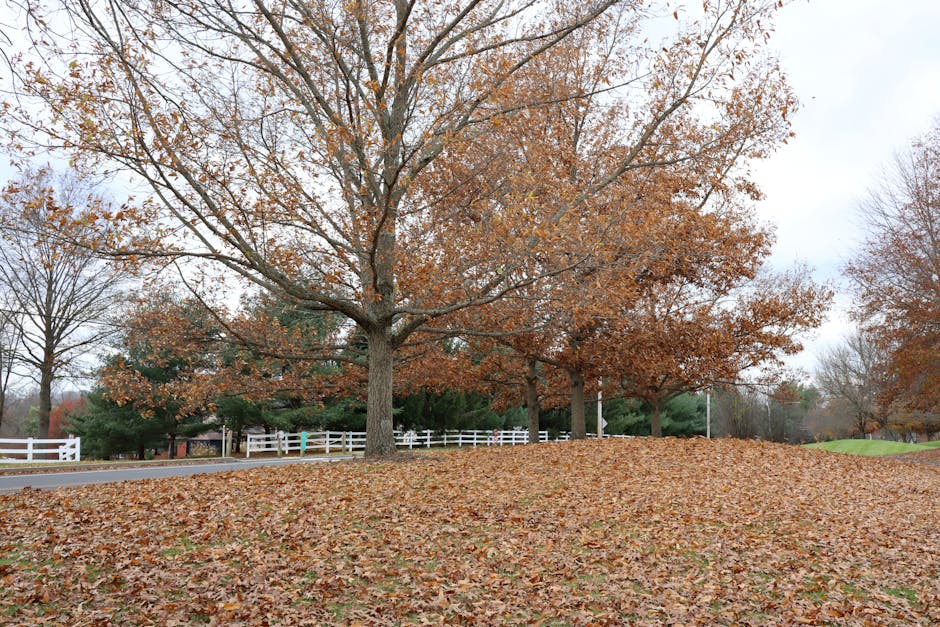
(600, 410)
(708, 413)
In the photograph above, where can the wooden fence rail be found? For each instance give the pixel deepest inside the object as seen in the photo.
(65, 450)
(348, 441)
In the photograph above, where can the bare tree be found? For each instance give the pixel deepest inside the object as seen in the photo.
(11, 333)
(60, 292)
(737, 413)
(850, 373)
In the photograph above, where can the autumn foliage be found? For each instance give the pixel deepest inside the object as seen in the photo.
(896, 275)
(664, 531)
(398, 163)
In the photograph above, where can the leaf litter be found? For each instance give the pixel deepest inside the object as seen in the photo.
(644, 531)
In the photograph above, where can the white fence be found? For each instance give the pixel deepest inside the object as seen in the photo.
(65, 450)
(348, 441)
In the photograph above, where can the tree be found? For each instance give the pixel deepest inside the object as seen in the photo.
(688, 334)
(852, 374)
(11, 333)
(297, 144)
(788, 405)
(897, 276)
(736, 413)
(168, 367)
(60, 292)
(108, 428)
(660, 224)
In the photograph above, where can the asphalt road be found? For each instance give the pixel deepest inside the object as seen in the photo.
(53, 480)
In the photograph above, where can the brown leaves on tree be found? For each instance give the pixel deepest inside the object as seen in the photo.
(897, 281)
(395, 163)
(629, 531)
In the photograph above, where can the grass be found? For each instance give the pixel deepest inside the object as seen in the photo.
(872, 448)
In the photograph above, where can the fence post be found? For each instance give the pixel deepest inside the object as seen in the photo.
(29, 449)
(327, 439)
(427, 438)
(78, 449)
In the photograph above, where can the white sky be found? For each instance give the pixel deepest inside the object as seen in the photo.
(867, 73)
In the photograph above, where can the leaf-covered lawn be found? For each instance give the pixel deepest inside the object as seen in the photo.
(627, 531)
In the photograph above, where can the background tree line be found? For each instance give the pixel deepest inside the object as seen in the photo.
(885, 377)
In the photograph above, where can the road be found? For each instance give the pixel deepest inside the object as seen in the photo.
(52, 480)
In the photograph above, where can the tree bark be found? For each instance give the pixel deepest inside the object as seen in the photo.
(45, 397)
(578, 428)
(380, 435)
(656, 426)
(171, 450)
(532, 399)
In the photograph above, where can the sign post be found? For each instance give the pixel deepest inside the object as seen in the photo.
(708, 413)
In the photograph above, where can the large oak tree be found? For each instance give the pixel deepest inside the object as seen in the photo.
(294, 143)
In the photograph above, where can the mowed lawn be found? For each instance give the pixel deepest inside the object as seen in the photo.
(874, 447)
(615, 532)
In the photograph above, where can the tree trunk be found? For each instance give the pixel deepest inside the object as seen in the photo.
(578, 428)
(45, 397)
(532, 399)
(171, 450)
(140, 451)
(656, 426)
(380, 435)
(426, 413)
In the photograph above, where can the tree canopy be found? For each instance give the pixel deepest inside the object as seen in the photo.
(397, 163)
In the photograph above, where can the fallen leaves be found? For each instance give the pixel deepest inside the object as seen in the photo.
(683, 531)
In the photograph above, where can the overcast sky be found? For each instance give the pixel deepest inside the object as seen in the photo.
(867, 73)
